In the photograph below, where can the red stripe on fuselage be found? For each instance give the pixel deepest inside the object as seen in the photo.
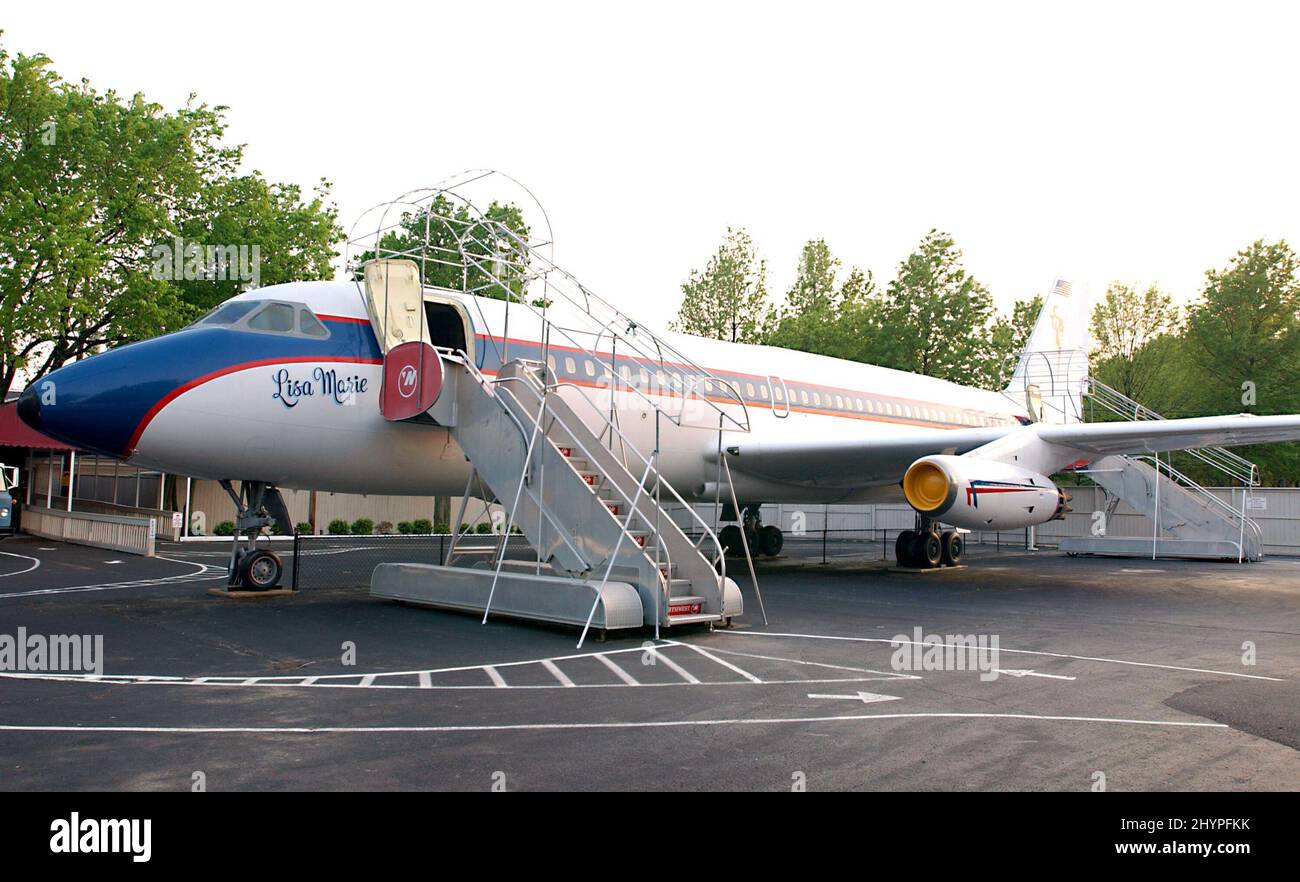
(232, 369)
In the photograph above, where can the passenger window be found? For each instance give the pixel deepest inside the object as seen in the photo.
(570, 366)
(803, 394)
(777, 393)
(310, 325)
(589, 367)
(277, 317)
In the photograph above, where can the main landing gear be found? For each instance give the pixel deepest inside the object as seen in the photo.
(928, 547)
(258, 506)
(763, 539)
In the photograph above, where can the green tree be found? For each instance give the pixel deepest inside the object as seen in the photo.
(461, 252)
(90, 183)
(727, 300)
(937, 314)
(1007, 339)
(819, 316)
(1124, 325)
(1243, 345)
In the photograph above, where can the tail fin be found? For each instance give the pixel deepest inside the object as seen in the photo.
(1050, 374)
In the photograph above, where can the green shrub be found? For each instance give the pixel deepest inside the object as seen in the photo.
(406, 528)
(483, 529)
(384, 528)
(304, 528)
(466, 528)
(339, 527)
(225, 528)
(442, 528)
(422, 526)
(363, 527)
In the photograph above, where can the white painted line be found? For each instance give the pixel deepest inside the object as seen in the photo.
(530, 727)
(887, 675)
(495, 676)
(673, 666)
(618, 672)
(557, 673)
(367, 680)
(726, 664)
(1016, 672)
(320, 683)
(35, 563)
(307, 681)
(864, 697)
(204, 573)
(1113, 661)
(458, 668)
(425, 681)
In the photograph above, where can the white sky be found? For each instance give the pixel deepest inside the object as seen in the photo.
(1138, 141)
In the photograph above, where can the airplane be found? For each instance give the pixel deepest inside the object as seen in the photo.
(280, 387)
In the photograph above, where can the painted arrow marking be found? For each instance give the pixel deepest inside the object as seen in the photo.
(1016, 672)
(864, 697)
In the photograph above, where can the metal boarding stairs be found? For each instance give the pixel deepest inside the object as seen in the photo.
(1058, 388)
(570, 479)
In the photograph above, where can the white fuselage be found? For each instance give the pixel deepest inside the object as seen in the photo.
(307, 423)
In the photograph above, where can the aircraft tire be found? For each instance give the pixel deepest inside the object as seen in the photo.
(260, 570)
(927, 550)
(770, 540)
(903, 548)
(953, 546)
(731, 541)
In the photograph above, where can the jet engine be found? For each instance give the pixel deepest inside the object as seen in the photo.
(978, 494)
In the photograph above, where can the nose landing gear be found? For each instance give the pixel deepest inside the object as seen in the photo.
(258, 506)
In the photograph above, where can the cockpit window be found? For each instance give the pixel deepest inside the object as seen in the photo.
(229, 313)
(276, 317)
(310, 325)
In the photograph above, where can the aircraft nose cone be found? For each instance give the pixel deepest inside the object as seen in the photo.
(29, 408)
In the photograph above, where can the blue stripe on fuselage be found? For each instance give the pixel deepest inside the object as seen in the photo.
(101, 400)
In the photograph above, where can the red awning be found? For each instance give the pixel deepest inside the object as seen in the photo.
(15, 433)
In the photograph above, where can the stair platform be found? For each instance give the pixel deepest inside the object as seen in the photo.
(1133, 546)
(555, 599)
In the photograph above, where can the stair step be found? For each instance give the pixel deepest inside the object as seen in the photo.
(677, 586)
(688, 605)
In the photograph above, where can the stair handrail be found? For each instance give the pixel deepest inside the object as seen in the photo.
(658, 352)
(1231, 464)
(489, 386)
(1233, 516)
(531, 368)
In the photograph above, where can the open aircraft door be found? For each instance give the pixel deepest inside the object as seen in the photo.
(413, 370)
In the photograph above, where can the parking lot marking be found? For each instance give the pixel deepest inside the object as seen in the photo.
(36, 562)
(205, 572)
(1016, 672)
(642, 724)
(1113, 661)
(557, 673)
(425, 681)
(618, 672)
(672, 665)
(726, 664)
(495, 676)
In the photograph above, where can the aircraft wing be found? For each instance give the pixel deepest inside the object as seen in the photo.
(853, 460)
(868, 460)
